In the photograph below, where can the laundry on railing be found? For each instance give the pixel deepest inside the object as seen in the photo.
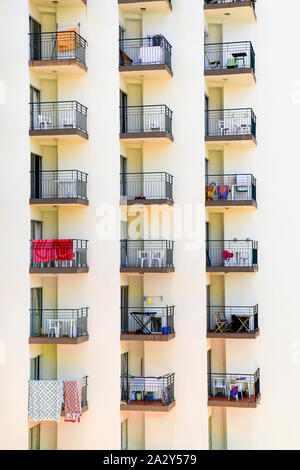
(73, 397)
(45, 400)
(52, 250)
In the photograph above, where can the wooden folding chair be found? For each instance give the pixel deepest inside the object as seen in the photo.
(222, 325)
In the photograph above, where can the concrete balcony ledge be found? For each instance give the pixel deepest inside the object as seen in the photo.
(146, 406)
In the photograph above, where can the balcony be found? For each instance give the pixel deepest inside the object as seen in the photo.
(146, 188)
(230, 191)
(58, 187)
(239, 10)
(58, 326)
(151, 6)
(58, 256)
(231, 256)
(232, 322)
(147, 324)
(64, 119)
(62, 51)
(230, 61)
(234, 126)
(147, 393)
(150, 56)
(234, 390)
(147, 256)
(146, 124)
(43, 405)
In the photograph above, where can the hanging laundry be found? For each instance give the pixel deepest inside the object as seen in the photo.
(45, 400)
(42, 250)
(73, 397)
(63, 250)
(210, 192)
(223, 191)
(66, 40)
(226, 255)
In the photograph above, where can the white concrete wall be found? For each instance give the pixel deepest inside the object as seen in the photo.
(15, 229)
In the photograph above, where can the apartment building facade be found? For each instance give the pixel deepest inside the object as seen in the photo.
(150, 235)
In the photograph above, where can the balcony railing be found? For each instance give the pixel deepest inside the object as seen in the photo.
(210, 2)
(232, 319)
(147, 253)
(58, 115)
(154, 50)
(230, 122)
(138, 186)
(58, 184)
(60, 45)
(147, 320)
(150, 390)
(231, 187)
(245, 387)
(229, 55)
(66, 253)
(232, 253)
(157, 118)
(58, 322)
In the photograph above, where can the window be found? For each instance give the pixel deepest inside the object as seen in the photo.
(35, 438)
(124, 435)
(35, 368)
(36, 230)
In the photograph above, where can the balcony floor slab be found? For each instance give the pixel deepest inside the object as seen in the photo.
(60, 270)
(153, 6)
(60, 66)
(146, 406)
(138, 337)
(148, 71)
(247, 402)
(146, 270)
(146, 137)
(231, 269)
(145, 202)
(221, 205)
(236, 76)
(68, 133)
(229, 335)
(59, 201)
(61, 340)
(238, 10)
(239, 140)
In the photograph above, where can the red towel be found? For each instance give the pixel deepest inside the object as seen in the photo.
(63, 250)
(73, 397)
(227, 255)
(42, 250)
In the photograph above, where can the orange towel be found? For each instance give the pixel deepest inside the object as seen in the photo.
(66, 41)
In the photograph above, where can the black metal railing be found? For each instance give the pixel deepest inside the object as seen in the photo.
(57, 45)
(58, 115)
(228, 122)
(147, 320)
(147, 389)
(157, 118)
(58, 184)
(229, 55)
(231, 187)
(211, 2)
(234, 386)
(232, 319)
(66, 253)
(153, 50)
(231, 253)
(58, 322)
(147, 253)
(151, 185)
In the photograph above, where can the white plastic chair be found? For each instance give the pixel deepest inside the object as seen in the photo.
(219, 383)
(157, 257)
(53, 327)
(143, 256)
